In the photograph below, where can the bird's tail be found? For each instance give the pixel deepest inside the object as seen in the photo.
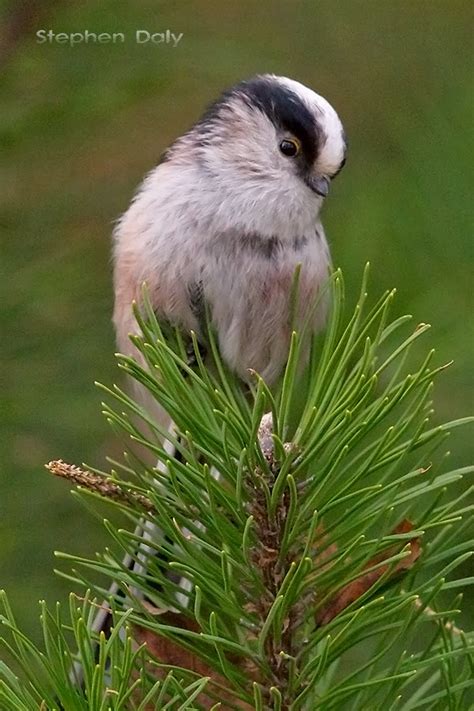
(136, 564)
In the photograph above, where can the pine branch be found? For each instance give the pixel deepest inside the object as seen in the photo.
(301, 555)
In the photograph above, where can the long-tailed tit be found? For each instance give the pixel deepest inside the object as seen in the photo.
(227, 215)
(221, 223)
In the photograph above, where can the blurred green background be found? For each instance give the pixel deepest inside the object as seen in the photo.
(80, 126)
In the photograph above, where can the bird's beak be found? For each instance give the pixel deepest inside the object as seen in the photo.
(319, 184)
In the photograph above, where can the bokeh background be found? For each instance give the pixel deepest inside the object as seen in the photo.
(80, 126)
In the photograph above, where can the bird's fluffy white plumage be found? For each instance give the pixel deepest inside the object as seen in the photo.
(227, 211)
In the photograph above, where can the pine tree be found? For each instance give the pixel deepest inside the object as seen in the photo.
(321, 559)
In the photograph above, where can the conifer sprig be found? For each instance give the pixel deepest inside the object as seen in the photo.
(328, 544)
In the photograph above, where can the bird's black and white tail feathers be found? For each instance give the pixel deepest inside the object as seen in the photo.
(138, 565)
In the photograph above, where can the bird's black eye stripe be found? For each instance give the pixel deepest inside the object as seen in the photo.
(285, 110)
(280, 104)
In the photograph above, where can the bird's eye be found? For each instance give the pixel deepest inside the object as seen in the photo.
(290, 147)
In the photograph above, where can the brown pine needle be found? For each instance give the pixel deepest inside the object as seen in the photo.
(102, 485)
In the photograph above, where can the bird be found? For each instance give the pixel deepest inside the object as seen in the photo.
(219, 226)
(223, 220)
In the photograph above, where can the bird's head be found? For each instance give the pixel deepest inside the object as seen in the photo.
(271, 146)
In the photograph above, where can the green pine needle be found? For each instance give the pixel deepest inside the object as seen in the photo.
(323, 559)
